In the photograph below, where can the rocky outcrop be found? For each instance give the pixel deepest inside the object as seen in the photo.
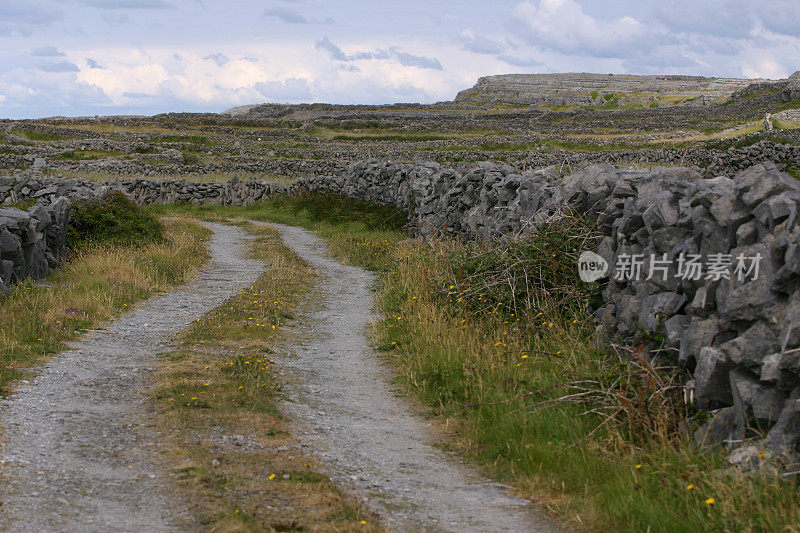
(142, 191)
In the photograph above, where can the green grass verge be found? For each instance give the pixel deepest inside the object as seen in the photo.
(39, 136)
(88, 155)
(220, 380)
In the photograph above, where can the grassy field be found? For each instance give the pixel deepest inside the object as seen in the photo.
(523, 388)
(358, 233)
(99, 283)
(219, 381)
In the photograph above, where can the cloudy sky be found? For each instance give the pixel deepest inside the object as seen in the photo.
(100, 57)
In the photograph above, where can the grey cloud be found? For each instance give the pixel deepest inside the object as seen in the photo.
(292, 17)
(61, 66)
(92, 63)
(518, 61)
(474, 42)
(292, 89)
(564, 27)
(377, 54)
(718, 45)
(47, 51)
(405, 59)
(127, 4)
(720, 18)
(287, 15)
(24, 19)
(781, 16)
(219, 59)
(334, 51)
(410, 60)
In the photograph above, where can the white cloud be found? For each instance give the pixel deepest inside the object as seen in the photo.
(104, 56)
(475, 42)
(563, 26)
(289, 90)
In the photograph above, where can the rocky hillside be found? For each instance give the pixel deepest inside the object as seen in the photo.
(602, 90)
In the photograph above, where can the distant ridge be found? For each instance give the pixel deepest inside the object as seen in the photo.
(601, 90)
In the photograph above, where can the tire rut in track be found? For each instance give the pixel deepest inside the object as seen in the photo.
(342, 402)
(75, 456)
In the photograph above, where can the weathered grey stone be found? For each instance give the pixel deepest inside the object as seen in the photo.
(675, 327)
(784, 437)
(746, 234)
(698, 334)
(704, 300)
(761, 181)
(770, 368)
(757, 406)
(657, 308)
(749, 349)
(712, 385)
(717, 430)
(750, 457)
(747, 300)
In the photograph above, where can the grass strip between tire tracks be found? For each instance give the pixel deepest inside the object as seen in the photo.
(227, 445)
